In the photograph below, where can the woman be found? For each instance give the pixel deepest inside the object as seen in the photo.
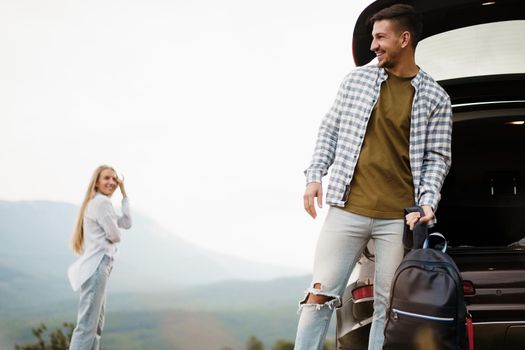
(95, 238)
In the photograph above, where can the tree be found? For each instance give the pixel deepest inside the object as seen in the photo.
(283, 345)
(254, 344)
(328, 345)
(58, 340)
(287, 345)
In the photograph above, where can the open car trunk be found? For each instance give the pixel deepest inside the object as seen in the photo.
(482, 210)
(483, 197)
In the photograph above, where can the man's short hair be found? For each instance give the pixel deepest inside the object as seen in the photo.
(405, 17)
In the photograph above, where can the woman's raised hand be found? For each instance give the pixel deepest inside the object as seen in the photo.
(121, 186)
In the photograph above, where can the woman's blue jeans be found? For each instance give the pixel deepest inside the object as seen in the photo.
(91, 307)
(342, 240)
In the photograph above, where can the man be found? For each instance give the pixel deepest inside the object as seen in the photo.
(388, 139)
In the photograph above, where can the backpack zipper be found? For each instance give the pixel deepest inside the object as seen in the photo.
(397, 312)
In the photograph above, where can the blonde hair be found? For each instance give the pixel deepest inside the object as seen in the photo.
(77, 239)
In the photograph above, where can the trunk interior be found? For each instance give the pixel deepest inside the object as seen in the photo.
(482, 213)
(483, 199)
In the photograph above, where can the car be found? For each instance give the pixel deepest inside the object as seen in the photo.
(475, 50)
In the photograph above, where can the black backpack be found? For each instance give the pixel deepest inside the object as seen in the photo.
(427, 308)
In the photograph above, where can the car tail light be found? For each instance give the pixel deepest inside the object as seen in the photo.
(468, 288)
(363, 292)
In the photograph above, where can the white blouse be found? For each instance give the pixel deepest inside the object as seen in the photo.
(101, 235)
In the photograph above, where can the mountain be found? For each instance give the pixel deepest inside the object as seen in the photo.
(164, 292)
(34, 256)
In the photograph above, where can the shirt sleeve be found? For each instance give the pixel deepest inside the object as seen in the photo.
(437, 156)
(327, 137)
(110, 222)
(124, 221)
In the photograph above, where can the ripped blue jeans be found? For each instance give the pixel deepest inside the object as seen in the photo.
(342, 240)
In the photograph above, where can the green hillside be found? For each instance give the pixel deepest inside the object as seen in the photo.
(214, 316)
(176, 329)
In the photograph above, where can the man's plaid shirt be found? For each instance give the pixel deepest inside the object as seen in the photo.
(343, 128)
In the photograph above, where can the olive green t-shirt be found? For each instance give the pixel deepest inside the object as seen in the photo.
(382, 184)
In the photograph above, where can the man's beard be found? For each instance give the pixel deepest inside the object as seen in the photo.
(386, 64)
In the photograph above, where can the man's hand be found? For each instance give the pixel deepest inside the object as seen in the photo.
(414, 217)
(313, 189)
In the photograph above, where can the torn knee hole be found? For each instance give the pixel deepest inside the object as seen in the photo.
(317, 299)
(316, 296)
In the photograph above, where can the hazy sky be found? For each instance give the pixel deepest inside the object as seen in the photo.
(210, 109)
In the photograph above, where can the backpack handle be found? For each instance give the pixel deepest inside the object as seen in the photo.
(425, 243)
(413, 239)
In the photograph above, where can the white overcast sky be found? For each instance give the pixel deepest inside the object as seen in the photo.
(210, 109)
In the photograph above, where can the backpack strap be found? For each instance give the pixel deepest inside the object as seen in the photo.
(437, 234)
(470, 332)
